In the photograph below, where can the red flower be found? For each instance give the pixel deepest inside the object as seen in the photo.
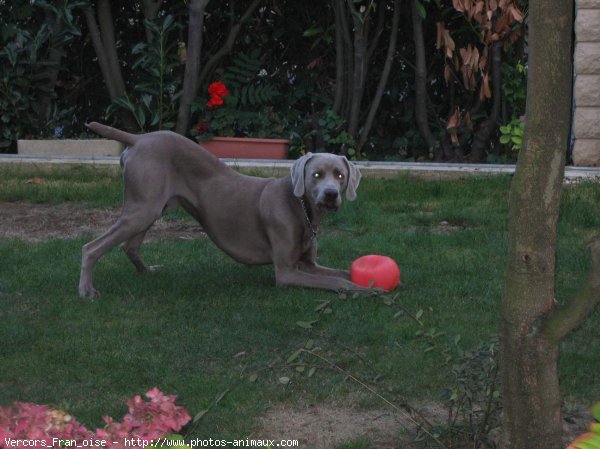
(214, 102)
(218, 89)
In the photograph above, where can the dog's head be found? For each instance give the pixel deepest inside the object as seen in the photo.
(323, 177)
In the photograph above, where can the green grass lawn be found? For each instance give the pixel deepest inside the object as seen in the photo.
(203, 323)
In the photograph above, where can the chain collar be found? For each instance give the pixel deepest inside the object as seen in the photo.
(312, 229)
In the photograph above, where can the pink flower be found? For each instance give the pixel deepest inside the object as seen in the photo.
(147, 420)
(37, 422)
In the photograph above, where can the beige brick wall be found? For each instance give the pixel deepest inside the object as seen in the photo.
(586, 121)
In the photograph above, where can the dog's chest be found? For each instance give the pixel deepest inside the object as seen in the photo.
(309, 242)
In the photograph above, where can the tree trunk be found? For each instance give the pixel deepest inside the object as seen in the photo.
(385, 74)
(55, 55)
(348, 54)
(100, 52)
(340, 67)
(102, 34)
(529, 311)
(531, 395)
(360, 66)
(421, 116)
(226, 48)
(484, 134)
(107, 33)
(382, 13)
(192, 64)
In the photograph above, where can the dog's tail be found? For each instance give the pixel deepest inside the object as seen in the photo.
(113, 133)
(123, 157)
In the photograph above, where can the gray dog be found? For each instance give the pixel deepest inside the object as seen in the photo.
(254, 220)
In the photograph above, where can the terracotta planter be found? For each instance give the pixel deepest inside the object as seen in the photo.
(247, 147)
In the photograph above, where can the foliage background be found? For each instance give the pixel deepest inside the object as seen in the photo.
(281, 59)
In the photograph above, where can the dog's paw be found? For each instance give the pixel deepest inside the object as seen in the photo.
(89, 292)
(153, 267)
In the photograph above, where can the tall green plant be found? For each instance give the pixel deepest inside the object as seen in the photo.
(511, 134)
(248, 83)
(250, 108)
(29, 63)
(159, 87)
(326, 132)
(514, 89)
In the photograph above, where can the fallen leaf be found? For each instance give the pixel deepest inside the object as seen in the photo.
(306, 324)
(295, 355)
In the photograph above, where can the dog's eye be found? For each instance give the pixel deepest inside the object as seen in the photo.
(317, 174)
(340, 176)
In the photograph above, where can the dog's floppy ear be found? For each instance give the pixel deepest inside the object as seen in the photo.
(353, 180)
(298, 174)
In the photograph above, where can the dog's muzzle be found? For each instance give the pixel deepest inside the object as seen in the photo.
(330, 200)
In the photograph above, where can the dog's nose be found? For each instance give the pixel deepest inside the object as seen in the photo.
(331, 194)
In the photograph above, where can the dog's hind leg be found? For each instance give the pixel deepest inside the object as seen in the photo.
(132, 249)
(130, 227)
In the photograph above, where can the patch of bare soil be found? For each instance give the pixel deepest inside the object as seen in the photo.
(445, 227)
(35, 222)
(328, 426)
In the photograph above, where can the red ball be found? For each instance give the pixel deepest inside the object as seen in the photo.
(375, 271)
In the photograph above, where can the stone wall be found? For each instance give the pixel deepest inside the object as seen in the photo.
(586, 122)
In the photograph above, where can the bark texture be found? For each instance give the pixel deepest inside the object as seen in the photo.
(385, 74)
(359, 28)
(102, 34)
(234, 29)
(192, 64)
(361, 62)
(528, 325)
(483, 136)
(421, 117)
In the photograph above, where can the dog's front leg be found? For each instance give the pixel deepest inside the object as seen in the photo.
(295, 277)
(314, 268)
